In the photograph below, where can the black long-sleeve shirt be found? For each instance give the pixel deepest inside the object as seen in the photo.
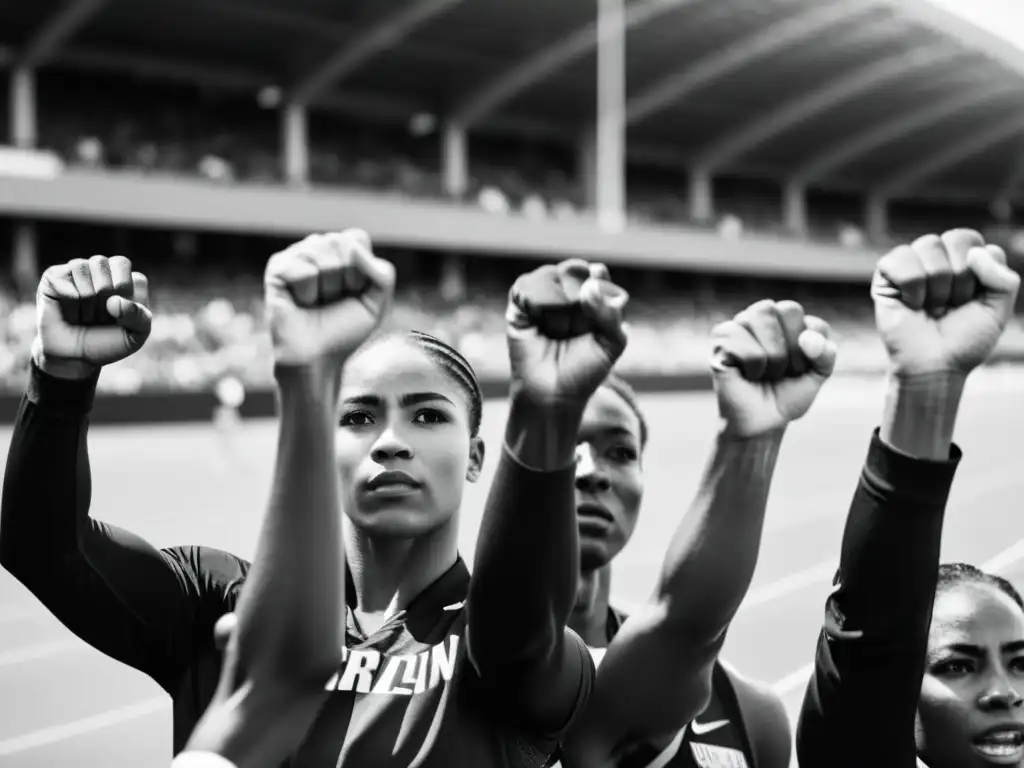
(860, 704)
(407, 690)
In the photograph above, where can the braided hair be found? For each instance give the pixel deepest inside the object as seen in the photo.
(951, 574)
(450, 361)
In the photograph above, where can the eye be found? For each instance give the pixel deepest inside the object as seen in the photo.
(622, 453)
(1017, 664)
(355, 419)
(430, 416)
(953, 667)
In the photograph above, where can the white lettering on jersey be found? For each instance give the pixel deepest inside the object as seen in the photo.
(708, 756)
(367, 671)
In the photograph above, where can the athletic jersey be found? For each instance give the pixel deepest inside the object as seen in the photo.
(406, 694)
(860, 705)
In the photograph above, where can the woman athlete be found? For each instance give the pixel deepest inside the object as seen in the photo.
(904, 677)
(414, 688)
(659, 669)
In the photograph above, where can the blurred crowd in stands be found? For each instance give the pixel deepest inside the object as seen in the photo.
(140, 126)
(204, 332)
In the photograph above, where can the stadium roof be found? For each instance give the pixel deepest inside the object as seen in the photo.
(898, 96)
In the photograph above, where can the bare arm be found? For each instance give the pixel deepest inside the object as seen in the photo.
(290, 620)
(656, 674)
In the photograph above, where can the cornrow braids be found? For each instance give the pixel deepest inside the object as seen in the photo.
(951, 574)
(620, 387)
(452, 362)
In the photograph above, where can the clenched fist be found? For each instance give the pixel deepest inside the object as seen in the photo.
(565, 331)
(769, 363)
(942, 303)
(90, 313)
(324, 296)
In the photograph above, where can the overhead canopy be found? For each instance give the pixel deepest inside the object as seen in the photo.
(893, 96)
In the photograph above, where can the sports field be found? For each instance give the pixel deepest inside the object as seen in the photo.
(62, 704)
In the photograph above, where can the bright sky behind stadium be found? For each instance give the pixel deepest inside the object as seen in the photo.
(1002, 17)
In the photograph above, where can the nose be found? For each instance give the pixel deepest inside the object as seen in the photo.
(390, 445)
(590, 478)
(1001, 694)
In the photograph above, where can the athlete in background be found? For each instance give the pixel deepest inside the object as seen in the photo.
(941, 305)
(659, 668)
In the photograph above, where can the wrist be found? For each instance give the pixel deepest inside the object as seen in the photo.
(318, 380)
(920, 413)
(62, 368)
(728, 436)
(542, 435)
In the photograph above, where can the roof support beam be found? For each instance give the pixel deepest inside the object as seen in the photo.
(385, 34)
(951, 155)
(797, 111)
(759, 45)
(896, 128)
(59, 28)
(518, 78)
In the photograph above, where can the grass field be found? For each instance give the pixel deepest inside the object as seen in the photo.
(63, 704)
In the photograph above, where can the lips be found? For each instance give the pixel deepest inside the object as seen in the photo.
(1001, 744)
(392, 478)
(594, 511)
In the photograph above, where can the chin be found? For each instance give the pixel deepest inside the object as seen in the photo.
(396, 521)
(594, 554)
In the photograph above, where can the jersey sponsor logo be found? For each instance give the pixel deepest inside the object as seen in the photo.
(700, 729)
(369, 671)
(708, 756)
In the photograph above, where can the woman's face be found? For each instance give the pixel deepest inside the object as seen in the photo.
(609, 480)
(970, 712)
(403, 444)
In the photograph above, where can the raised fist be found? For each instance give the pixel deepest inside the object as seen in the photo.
(942, 303)
(90, 313)
(324, 296)
(768, 364)
(565, 331)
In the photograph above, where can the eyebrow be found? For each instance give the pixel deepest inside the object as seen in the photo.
(406, 400)
(976, 652)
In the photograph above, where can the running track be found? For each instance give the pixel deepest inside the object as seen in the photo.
(62, 704)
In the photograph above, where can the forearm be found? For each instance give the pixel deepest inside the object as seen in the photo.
(527, 556)
(920, 414)
(712, 554)
(47, 483)
(290, 613)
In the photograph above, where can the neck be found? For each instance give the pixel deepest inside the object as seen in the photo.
(589, 618)
(389, 573)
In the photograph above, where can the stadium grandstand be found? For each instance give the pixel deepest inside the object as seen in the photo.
(709, 150)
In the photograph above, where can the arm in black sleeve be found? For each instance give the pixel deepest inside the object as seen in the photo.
(109, 587)
(525, 573)
(860, 704)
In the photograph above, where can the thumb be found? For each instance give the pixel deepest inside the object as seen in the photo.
(360, 236)
(604, 304)
(821, 352)
(130, 315)
(1000, 283)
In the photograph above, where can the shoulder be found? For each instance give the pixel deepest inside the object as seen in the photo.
(764, 717)
(212, 579)
(210, 567)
